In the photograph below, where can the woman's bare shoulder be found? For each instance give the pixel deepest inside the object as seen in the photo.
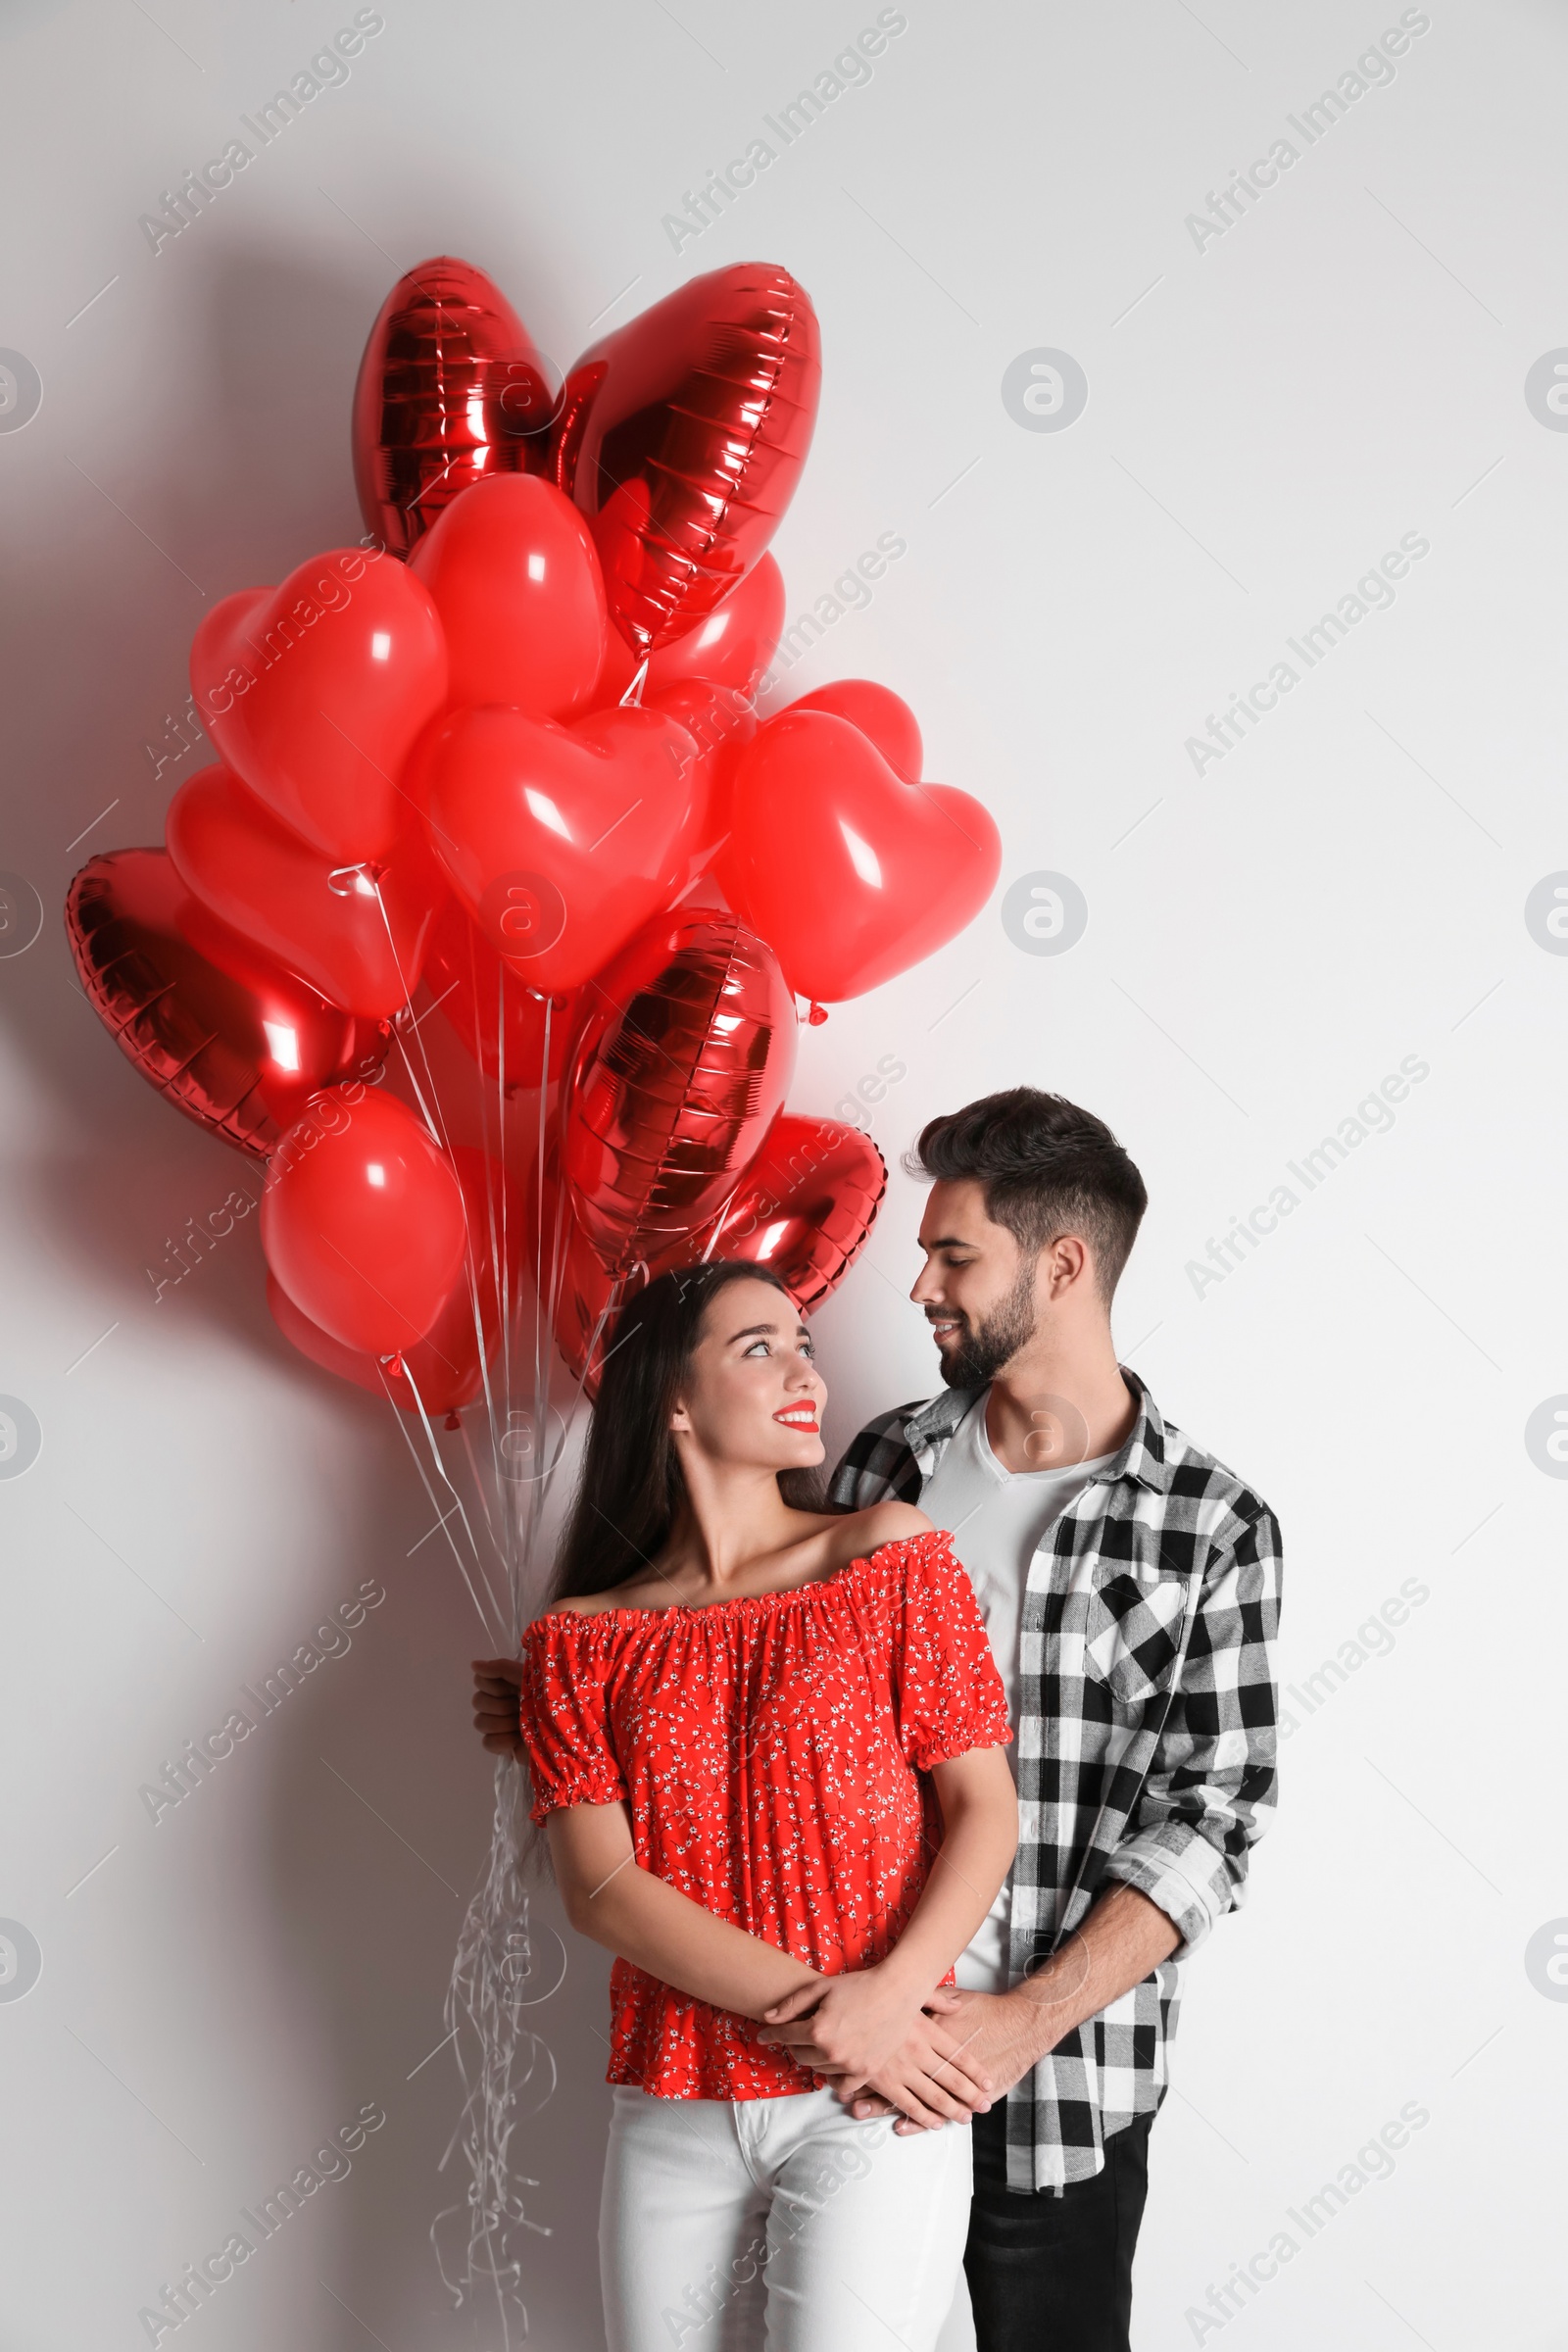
(860, 1533)
(579, 1604)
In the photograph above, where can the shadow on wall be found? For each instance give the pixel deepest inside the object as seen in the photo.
(251, 475)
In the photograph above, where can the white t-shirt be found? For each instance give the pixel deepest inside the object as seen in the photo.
(996, 1518)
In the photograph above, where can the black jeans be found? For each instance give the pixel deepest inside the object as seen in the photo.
(1054, 2272)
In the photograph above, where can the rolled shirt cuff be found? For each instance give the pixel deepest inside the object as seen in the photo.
(1180, 1871)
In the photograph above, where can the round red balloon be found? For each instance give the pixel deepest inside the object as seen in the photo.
(358, 934)
(678, 1070)
(515, 580)
(450, 392)
(681, 436)
(218, 1027)
(363, 1220)
(444, 1371)
(804, 1208)
(314, 691)
(853, 874)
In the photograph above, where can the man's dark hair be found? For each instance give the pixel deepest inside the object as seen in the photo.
(1046, 1168)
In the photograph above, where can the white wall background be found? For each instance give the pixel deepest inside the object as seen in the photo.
(1266, 415)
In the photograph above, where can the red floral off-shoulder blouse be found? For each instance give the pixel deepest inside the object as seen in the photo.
(768, 1750)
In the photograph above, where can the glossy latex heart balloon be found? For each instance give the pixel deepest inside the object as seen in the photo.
(221, 1031)
(881, 717)
(363, 1220)
(851, 874)
(356, 934)
(681, 436)
(731, 648)
(450, 392)
(515, 580)
(313, 693)
(443, 1371)
(803, 1210)
(562, 841)
(720, 722)
(502, 1022)
(680, 1067)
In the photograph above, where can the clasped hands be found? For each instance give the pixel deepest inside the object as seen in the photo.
(883, 2047)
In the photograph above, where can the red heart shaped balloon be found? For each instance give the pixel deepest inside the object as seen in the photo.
(314, 691)
(680, 1065)
(358, 934)
(681, 436)
(451, 391)
(363, 1220)
(720, 722)
(562, 841)
(881, 717)
(804, 1208)
(853, 874)
(443, 1371)
(731, 648)
(221, 1031)
(514, 576)
(502, 1022)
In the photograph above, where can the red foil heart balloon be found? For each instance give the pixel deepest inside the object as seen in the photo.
(679, 1068)
(451, 391)
(515, 580)
(681, 436)
(358, 934)
(562, 841)
(443, 1370)
(851, 874)
(804, 1208)
(238, 1045)
(314, 691)
(499, 1020)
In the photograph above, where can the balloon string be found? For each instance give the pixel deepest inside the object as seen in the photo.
(445, 1476)
(634, 693)
(442, 1137)
(443, 1517)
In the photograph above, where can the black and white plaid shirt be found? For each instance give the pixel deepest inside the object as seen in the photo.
(1145, 1738)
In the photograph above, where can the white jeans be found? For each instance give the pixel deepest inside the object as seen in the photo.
(779, 2223)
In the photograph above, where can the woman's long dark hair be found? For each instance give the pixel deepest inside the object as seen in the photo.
(631, 1486)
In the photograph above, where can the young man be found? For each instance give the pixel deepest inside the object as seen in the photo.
(1131, 1586)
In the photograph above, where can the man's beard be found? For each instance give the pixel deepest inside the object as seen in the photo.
(981, 1353)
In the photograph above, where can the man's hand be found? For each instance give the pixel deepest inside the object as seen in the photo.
(851, 2027)
(860, 2035)
(997, 2036)
(497, 1683)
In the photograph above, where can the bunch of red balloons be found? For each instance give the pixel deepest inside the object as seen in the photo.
(494, 747)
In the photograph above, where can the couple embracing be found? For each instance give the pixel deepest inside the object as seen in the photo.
(902, 1814)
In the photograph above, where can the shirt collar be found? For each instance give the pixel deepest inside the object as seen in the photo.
(1141, 1457)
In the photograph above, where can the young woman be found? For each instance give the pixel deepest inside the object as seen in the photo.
(725, 1707)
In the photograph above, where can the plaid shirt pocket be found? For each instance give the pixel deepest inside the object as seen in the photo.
(1133, 1636)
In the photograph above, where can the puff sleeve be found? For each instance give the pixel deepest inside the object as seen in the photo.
(564, 1719)
(946, 1694)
